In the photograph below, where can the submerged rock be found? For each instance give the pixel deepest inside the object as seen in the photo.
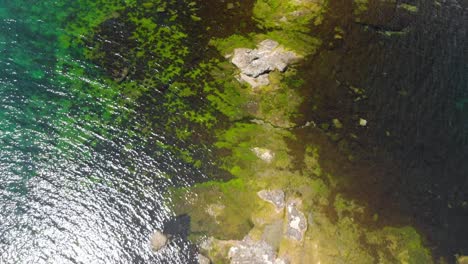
(362, 122)
(256, 64)
(264, 154)
(276, 197)
(297, 222)
(158, 240)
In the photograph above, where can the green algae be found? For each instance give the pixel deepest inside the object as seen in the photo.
(288, 15)
(409, 8)
(360, 6)
(227, 45)
(400, 245)
(220, 209)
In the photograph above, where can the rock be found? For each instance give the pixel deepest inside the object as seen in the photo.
(337, 123)
(362, 122)
(264, 154)
(249, 251)
(297, 222)
(258, 67)
(158, 240)
(276, 197)
(258, 63)
(243, 57)
(202, 259)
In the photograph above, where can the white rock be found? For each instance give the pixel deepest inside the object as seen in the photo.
(158, 240)
(297, 222)
(264, 154)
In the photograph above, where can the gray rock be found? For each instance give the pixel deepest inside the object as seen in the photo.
(258, 63)
(248, 251)
(258, 67)
(202, 259)
(297, 222)
(243, 57)
(276, 197)
(158, 240)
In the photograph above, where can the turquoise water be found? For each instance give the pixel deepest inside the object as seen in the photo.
(80, 181)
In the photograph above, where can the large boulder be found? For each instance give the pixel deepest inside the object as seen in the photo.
(256, 64)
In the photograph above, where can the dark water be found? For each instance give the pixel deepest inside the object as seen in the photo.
(407, 75)
(79, 180)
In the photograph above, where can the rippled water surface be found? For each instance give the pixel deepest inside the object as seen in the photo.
(79, 180)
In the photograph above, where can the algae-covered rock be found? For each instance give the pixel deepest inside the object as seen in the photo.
(250, 251)
(264, 154)
(297, 222)
(276, 197)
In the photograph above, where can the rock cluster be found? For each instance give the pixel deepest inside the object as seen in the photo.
(255, 65)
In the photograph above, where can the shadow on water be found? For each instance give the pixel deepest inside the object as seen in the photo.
(405, 74)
